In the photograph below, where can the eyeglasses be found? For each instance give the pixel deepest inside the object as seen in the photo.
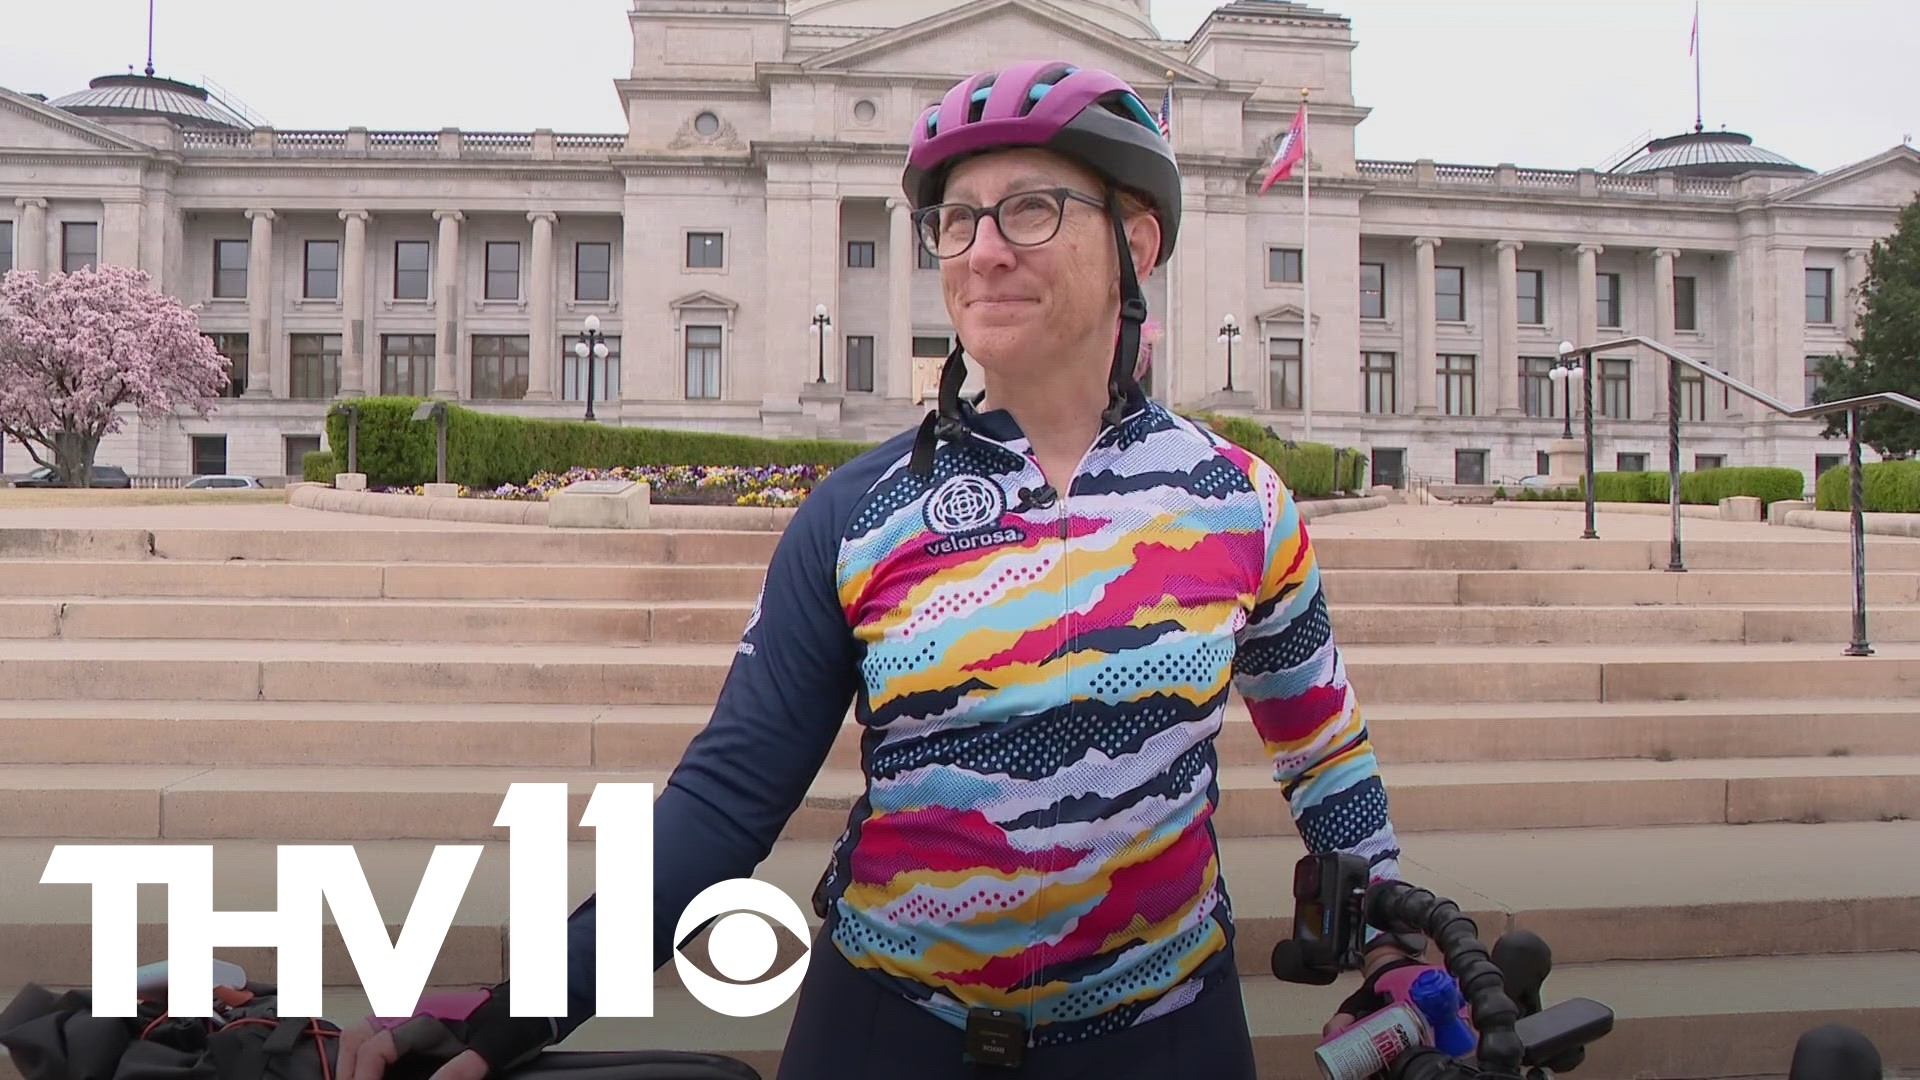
(1024, 218)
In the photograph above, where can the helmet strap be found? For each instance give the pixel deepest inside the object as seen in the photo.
(1123, 390)
(944, 422)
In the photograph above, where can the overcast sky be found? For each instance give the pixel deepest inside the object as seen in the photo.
(1543, 83)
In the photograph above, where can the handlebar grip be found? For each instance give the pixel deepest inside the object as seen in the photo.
(1834, 1052)
(1289, 965)
(1524, 961)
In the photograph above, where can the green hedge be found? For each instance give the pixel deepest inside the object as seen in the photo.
(1886, 487)
(1706, 487)
(1311, 470)
(319, 467)
(486, 450)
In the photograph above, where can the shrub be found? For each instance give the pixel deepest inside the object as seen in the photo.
(1311, 470)
(486, 450)
(1706, 487)
(318, 466)
(1886, 487)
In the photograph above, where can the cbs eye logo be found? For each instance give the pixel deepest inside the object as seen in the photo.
(742, 946)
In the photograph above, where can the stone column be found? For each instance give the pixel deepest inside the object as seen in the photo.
(1655, 380)
(260, 350)
(1587, 287)
(903, 258)
(543, 344)
(1506, 367)
(355, 372)
(446, 342)
(1850, 292)
(1425, 371)
(788, 347)
(30, 240)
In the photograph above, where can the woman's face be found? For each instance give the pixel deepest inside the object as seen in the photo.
(1016, 306)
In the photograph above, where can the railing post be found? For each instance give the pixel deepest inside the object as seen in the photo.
(1856, 496)
(1587, 382)
(1674, 563)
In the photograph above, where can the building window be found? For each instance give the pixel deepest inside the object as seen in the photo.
(860, 254)
(1819, 296)
(706, 251)
(1686, 304)
(410, 269)
(1283, 266)
(1825, 463)
(1693, 395)
(79, 245)
(703, 362)
(209, 455)
(1536, 385)
(1616, 388)
(1630, 462)
(927, 345)
(503, 270)
(860, 363)
(1703, 462)
(1542, 463)
(323, 270)
(1531, 287)
(499, 367)
(1470, 467)
(234, 348)
(298, 447)
(1373, 290)
(1607, 299)
(230, 269)
(406, 364)
(1450, 293)
(313, 365)
(1813, 380)
(1389, 467)
(6, 246)
(927, 260)
(1456, 384)
(593, 271)
(1283, 373)
(1377, 382)
(573, 371)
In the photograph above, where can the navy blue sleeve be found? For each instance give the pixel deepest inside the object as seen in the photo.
(793, 678)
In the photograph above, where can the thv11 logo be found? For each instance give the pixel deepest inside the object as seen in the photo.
(395, 974)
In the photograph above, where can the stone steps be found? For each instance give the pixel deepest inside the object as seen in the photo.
(1704, 891)
(1673, 1019)
(268, 733)
(347, 802)
(682, 674)
(695, 622)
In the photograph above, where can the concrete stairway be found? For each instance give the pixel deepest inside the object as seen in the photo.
(1676, 778)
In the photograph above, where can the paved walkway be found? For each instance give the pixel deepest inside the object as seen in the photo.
(1520, 523)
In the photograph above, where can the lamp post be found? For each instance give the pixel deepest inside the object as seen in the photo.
(591, 347)
(821, 320)
(1565, 370)
(1229, 333)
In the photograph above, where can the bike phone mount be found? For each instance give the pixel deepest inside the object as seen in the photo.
(1334, 904)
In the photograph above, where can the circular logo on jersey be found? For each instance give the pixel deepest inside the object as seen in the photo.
(964, 504)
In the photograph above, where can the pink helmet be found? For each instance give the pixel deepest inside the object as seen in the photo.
(1088, 115)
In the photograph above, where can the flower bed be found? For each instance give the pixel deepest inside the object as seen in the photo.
(682, 485)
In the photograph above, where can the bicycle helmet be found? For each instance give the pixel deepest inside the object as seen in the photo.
(1088, 115)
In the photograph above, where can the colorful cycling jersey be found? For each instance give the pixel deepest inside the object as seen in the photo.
(1039, 680)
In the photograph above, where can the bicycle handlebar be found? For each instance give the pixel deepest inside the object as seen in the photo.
(1397, 907)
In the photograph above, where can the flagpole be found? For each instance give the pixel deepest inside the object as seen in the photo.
(1696, 68)
(1164, 347)
(1306, 268)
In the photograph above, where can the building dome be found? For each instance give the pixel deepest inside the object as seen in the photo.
(1722, 154)
(122, 96)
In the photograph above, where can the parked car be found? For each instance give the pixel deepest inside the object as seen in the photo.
(104, 476)
(224, 480)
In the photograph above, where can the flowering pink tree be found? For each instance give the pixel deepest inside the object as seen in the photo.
(76, 349)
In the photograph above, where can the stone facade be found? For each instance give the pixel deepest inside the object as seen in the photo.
(759, 179)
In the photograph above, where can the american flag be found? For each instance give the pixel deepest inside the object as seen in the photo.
(1166, 114)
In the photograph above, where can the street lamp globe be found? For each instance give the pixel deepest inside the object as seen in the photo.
(593, 324)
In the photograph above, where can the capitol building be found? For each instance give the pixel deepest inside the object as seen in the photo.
(758, 183)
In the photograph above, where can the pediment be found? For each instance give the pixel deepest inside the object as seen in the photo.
(704, 301)
(1891, 179)
(992, 33)
(28, 124)
(1285, 313)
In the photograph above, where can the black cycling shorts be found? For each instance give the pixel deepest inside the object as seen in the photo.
(848, 1027)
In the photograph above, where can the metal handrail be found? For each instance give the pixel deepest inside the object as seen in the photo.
(1852, 406)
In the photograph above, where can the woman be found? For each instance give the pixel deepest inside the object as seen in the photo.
(1036, 606)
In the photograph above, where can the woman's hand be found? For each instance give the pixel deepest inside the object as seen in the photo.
(365, 1054)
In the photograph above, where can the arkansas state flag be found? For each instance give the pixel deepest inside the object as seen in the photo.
(1291, 148)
